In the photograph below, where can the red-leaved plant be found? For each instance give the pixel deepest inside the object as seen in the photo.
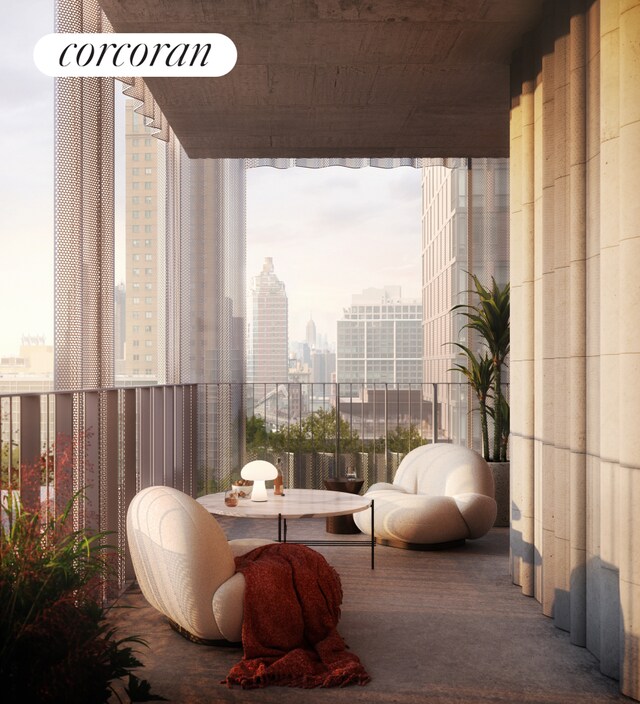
(55, 643)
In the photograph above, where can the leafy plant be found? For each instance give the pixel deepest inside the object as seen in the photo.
(55, 643)
(317, 433)
(479, 373)
(489, 317)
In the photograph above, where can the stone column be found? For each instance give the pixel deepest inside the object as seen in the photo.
(576, 372)
(629, 341)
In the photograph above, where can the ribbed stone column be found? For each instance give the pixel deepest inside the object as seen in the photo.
(557, 236)
(517, 323)
(575, 165)
(609, 339)
(522, 249)
(576, 127)
(545, 316)
(593, 331)
(629, 336)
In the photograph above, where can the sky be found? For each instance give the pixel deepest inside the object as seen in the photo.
(331, 232)
(26, 178)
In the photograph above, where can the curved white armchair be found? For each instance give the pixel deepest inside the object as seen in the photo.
(185, 565)
(441, 493)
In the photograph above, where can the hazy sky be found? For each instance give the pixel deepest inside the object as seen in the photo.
(331, 232)
(334, 232)
(26, 177)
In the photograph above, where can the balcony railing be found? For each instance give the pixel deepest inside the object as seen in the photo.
(107, 444)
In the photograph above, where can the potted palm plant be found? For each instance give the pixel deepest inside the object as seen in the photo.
(489, 318)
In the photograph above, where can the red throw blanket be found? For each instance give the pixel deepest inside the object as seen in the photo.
(291, 610)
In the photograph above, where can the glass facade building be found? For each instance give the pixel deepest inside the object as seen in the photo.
(380, 338)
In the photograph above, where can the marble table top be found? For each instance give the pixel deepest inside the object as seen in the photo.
(296, 503)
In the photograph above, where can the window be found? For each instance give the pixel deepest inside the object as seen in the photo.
(136, 357)
(135, 243)
(148, 300)
(147, 213)
(135, 228)
(148, 185)
(135, 141)
(148, 272)
(136, 371)
(136, 272)
(135, 213)
(135, 171)
(148, 343)
(147, 141)
(148, 171)
(148, 257)
(148, 371)
(147, 156)
(147, 328)
(135, 257)
(135, 185)
(148, 200)
(148, 358)
(136, 328)
(135, 314)
(148, 286)
(135, 200)
(135, 286)
(135, 343)
(136, 300)
(147, 243)
(135, 156)
(148, 315)
(148, 229)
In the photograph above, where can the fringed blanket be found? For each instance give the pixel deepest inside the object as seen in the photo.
(291, 610)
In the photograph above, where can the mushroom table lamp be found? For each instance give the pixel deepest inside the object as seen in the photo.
(259, 471)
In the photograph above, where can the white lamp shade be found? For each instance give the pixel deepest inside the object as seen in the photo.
(259, 471)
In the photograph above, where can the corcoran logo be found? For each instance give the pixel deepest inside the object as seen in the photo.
(145, 55)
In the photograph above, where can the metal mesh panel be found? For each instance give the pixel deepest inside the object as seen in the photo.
(217, 307)
(84, 216)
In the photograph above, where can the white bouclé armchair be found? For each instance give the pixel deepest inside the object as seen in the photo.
(440, 494)
(185, 566)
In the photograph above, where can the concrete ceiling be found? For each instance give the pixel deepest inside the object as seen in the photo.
(342, 78)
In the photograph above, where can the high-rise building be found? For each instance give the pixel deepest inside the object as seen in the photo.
(323, 366)
(311, 334)
(269, 328)
(465, 230)
(380, 338)
(143, 250)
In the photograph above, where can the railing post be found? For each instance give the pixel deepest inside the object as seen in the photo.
(63, 448)
(338, 417)
(434, 415)
(29, 452)
(91, 460)
(128, 455)
(386, 432)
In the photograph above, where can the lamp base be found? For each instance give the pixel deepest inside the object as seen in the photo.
(259, 492)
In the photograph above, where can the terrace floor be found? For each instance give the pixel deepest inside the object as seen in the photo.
(441, 627)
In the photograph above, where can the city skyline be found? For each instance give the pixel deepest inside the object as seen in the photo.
(346, 216)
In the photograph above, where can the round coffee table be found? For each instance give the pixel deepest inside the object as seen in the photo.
(296, 503)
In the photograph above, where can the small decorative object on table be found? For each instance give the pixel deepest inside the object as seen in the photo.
(259, 471)
(231, 498)
(278, 482)
(243, 488)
